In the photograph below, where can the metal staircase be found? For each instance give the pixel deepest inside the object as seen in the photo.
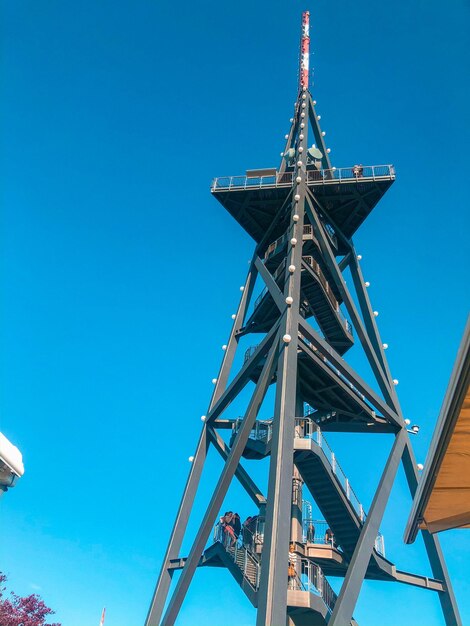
(310, 598)
(319, 298)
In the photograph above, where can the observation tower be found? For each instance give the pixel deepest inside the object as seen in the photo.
(302, 217)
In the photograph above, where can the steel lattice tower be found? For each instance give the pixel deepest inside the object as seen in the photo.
(302, 217)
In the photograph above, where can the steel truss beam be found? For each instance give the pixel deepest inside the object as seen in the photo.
(246, 481)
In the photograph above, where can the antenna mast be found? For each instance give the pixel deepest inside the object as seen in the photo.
(304, 50)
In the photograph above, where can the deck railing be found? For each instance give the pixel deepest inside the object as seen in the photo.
(286, 179)
(262, 430)
(314, 531)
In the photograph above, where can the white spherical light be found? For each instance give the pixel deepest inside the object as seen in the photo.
(367, 283)
(299, 163)
(224, 347)
(303, 105)
(214, 380)
(359, 257)
(407, 422)
(323, 133)
(291, 269)
(301, 149)
(385, 346)
(242, 288)
(289, 300)
(318, 117)
(301, 136)
(295, 218)
(191, 459)
(376, 314)
(291, 120)
(286, 136)
(298, 179)
(293, 241)
(328, 150)
(314, 102)
(395, 381)
(233, 316)
(302, 114)
(334, 169)
(302, 125)
(303, 97)
(287, 339)
(420, 467)
(296, 197)
(203, 418)
(282, 154)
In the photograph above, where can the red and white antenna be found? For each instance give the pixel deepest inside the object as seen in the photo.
(304, 50)
(103, 614)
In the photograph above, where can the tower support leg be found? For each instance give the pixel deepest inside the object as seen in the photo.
(344, 607)
(177, 534)
(221, 489)
(272, 594)
(431, 542)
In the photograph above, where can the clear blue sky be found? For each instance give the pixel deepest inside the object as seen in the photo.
(120, 272)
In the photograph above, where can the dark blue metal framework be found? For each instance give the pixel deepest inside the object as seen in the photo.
(302, 217)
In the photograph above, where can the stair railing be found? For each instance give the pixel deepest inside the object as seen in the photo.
(306, 428)
(312, 579)
(240, 548)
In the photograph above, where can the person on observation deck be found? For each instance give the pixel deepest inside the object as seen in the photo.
(329, 537)
(311, 533)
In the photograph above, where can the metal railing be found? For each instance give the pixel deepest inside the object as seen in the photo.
(249, 352)
(307, 234)
(314, 531)
(262, 430)
(286, 179)
(309, 260)
(305, 428)
(312, 579)
(240, 553)
(380, 544)
(274, 245)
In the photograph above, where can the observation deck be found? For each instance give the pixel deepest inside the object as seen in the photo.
(347, 195)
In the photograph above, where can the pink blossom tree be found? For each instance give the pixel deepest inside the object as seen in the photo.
(17, 611)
